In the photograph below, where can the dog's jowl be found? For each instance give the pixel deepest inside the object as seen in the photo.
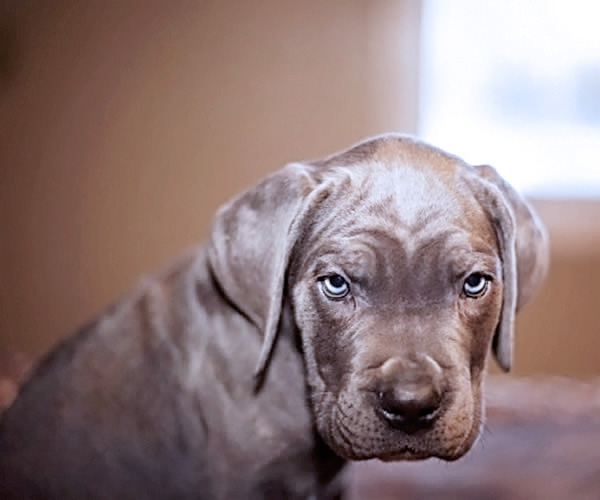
(342, 309)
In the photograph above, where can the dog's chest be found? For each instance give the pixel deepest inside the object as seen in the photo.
(259, 444)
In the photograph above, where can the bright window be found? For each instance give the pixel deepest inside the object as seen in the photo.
(516, 84)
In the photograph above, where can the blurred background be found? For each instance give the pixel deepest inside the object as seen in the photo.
(124, 125)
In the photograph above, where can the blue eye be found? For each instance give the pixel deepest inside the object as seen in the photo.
(335, 286)
(475, 285)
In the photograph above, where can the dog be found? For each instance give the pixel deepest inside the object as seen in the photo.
(342, 309)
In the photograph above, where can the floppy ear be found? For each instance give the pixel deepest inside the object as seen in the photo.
(250, 244)
(524, 250)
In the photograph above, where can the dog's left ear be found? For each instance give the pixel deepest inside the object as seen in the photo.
(524, 248)
(250, 245)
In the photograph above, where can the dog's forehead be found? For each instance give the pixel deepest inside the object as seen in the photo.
(398, 176)
(399, 188)
(408, 193)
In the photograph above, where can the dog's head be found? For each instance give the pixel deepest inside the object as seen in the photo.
(403, 267)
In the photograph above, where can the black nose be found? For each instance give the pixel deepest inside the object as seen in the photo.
(409, 407)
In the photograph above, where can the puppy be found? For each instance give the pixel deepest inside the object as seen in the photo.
(342, 309)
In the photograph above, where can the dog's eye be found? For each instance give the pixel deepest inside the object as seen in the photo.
(475, 285)
(335, 287)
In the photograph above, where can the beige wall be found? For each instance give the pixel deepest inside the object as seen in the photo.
(559, 331)
(123, 125)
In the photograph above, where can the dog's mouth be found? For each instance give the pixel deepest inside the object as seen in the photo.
(408, 454)
(390, 445)
(405, 454)
(366, 425)
(393, 445)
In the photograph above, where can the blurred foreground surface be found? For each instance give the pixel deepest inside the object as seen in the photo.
(540, 441)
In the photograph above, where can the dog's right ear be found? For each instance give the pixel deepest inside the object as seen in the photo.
(250, 245)
(531, 238)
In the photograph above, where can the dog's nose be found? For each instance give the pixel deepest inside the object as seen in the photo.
(410, 407)
(409, 394)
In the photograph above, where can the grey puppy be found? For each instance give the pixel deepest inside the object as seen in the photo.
(342, 309)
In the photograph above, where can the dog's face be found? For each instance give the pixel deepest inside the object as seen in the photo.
(400, 265)
(397, 291)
